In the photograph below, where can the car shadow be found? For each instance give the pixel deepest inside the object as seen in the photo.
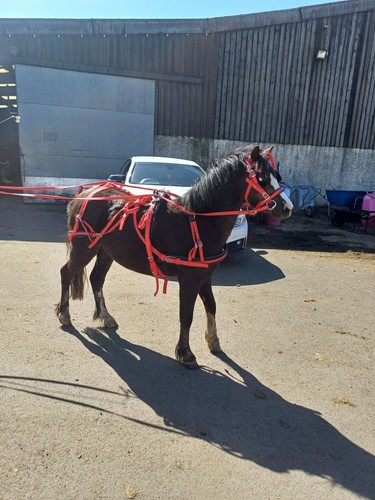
(233, 411)
(249, 268)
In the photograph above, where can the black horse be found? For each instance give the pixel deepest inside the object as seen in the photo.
(183, 237)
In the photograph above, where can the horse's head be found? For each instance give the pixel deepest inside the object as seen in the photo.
(264, 191)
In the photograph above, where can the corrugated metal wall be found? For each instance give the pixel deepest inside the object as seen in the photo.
(184, 67)
(272, 87)
(246, 78)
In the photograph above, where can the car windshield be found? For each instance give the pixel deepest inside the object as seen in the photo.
(165, 174)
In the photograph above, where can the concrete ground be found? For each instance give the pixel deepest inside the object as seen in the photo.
(286, 413)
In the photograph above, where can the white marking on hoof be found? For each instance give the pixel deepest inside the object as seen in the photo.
(211, 334)
(214, 345)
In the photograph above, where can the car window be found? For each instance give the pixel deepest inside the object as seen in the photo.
(165, 174)
(124, 169)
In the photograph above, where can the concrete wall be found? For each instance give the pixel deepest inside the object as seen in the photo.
(320, 167)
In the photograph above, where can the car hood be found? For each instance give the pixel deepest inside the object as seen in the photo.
(147, 189)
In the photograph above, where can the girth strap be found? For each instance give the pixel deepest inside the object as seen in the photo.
(146, 223)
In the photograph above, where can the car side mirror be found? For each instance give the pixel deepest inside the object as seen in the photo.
(117, 178)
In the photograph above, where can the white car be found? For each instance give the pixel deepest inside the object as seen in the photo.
(174, 175)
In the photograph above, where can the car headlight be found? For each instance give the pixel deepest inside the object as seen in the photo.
(241, 219)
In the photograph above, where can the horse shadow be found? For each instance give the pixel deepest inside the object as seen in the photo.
(232, 410)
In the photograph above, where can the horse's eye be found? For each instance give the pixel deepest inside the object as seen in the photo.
(263, 178)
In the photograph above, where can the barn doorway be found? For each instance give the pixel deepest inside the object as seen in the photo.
(9, 152)
(77, 127)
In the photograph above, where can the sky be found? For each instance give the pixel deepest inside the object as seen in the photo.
(142, 9)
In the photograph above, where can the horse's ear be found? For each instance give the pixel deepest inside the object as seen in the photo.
(268, 154)
(255, 153)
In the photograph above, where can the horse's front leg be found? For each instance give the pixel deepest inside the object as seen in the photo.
(189, 282)
(208, 300)
(97, 277)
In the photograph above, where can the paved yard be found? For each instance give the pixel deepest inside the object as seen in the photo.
(287, 412)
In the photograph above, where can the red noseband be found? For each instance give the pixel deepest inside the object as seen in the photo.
(268, 202)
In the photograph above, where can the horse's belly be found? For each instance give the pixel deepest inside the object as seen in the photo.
(127, 251)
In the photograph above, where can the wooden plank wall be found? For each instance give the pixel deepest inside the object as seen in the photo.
(272, 88)
(252, 83)
(184, 67)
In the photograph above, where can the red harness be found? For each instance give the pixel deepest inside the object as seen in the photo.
(195, 257)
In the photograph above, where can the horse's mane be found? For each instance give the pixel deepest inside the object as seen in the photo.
(217, 185)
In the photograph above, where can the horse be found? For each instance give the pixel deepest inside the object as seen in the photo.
(163, 236)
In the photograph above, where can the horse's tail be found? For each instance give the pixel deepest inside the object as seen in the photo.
(77, 285)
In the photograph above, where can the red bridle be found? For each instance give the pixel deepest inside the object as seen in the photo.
(268, 202)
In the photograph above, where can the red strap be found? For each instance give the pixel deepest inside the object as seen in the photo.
(145, 223)
(133, 206)
(270, 157)
(198, 245)
(19, 191)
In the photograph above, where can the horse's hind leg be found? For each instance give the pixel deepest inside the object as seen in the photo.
(62, 308)
(72, 278)
(208, 300)
(97, 277)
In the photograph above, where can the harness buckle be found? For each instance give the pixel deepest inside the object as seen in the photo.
(268, 204)
(251, 173)
(170, 259)
(160, 193)
(248, 209)
(265, 195)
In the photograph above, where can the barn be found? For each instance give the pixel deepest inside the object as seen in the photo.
(90, 93)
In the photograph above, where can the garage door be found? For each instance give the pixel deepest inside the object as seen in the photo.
(78, 127)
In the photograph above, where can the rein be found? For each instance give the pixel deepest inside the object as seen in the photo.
(195, 257)
(133, 203)
(145, 223)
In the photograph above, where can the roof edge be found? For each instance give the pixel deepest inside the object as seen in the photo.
(179, 26)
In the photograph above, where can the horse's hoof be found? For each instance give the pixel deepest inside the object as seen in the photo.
(110, 323)
(187, 359)
(214, 346)
(65, 320)
(191, 365)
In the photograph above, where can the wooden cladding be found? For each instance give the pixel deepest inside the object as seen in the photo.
(273, 88)
(184, 67)
(252, 83)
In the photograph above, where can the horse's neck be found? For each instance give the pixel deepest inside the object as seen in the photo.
(231, 193)
(223, 193)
